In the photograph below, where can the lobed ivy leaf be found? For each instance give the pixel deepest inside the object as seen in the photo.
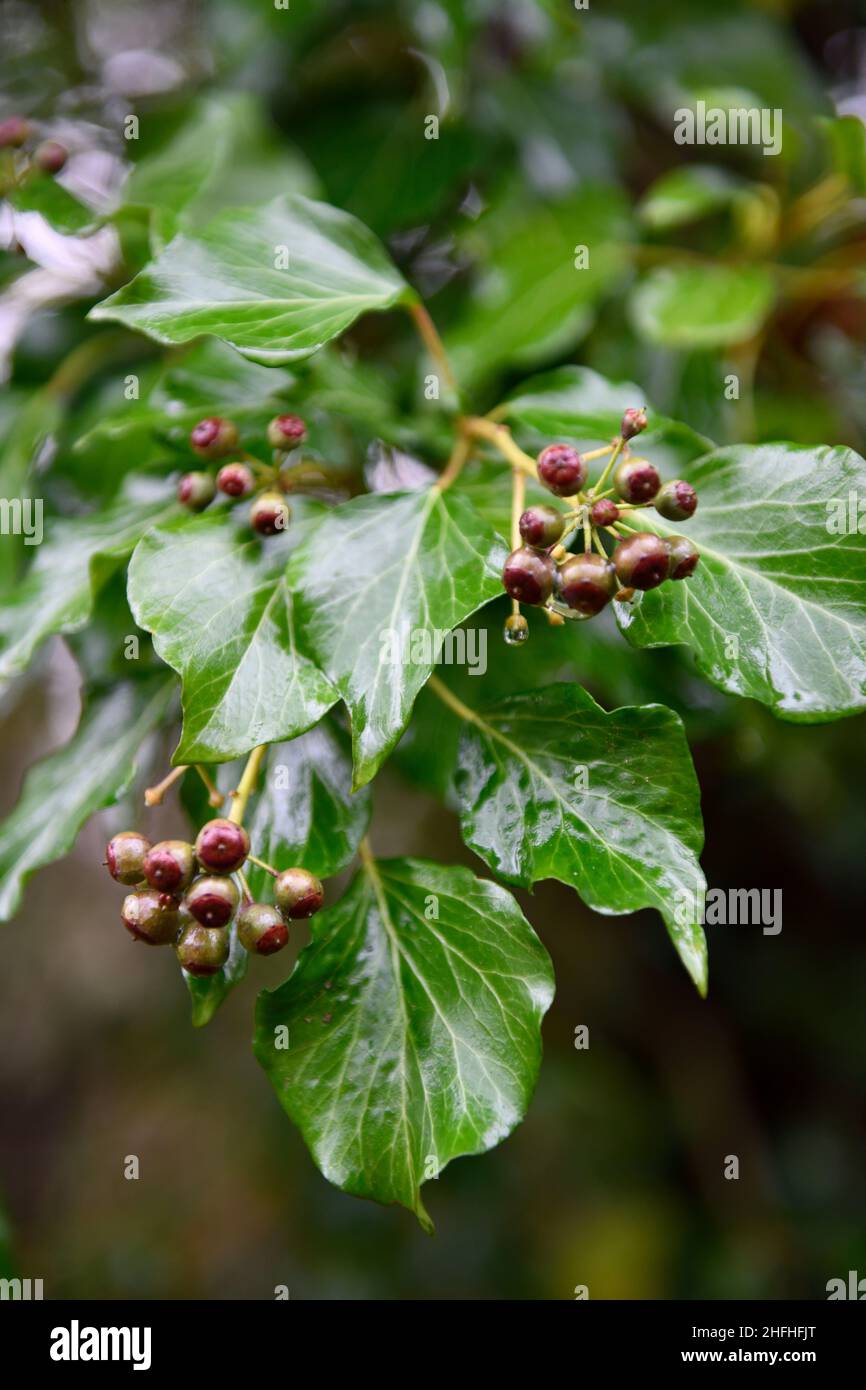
(552, 786)
(224, 280)
(409, 1033)
(776, 609)
(706, 306)
(91, 771)
(215, 598)
(377, 587)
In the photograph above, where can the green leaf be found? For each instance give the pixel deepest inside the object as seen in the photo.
(74, 560)
(413, 1025)
(705, 306)
(215, 598)
(64, 790)
(532, 301)
(846, 137)
(776, 609)
(26, 426)
(687, 194)
(60, 208)
(377, 587)
(208, 992)
(224, 281)
(305, 812)
(553, 786)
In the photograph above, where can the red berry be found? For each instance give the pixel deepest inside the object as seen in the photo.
(151, 916)
(222, 846)
(13, 132)
(677, 501)
(642, 562)
(195, 490)
(50, 156)
(124, 856)
(587, 583)
(213, 900)
(529, 575)
(633, 422)
(541, 526)
(269, 514)
(298, 893)
(636, 480)
(286, 432)
(169, 865)
(235, 480)
(214, 437)
(604, 512)
(202, 950)
(261, 929)
(683, 556)
(561, 468)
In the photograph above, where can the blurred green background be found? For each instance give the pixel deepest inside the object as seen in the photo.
(616, 1179)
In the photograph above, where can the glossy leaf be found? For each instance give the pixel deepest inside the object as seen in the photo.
(776, 609)
(687, 194)
(64, 790)
(409, 1033)
(214, 596)
(707, 306)
(377, 587)
(224, 281)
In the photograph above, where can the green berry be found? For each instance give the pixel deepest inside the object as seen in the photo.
(683, 556)
(677, 501)
(151, 916)
(261, 929)
(636, 480)
(587, 583)
(298, 893)
(541, 526)
(561, 468)
(634, 421)
(212, 900)
(195, 490)
(203, 950)
(124, 856)
(529, 575)
(214, 437)
(642, 562)
(222, 846)
(169, 865)
(269, 514)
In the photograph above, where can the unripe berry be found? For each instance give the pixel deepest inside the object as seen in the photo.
(261, 929)
(633, 422)
(235, 480)
(587, 583)
(124, 856)
(214, 437)
(203, 950)
(13, 132)
(169, 865)
(195, 490)
(604, 512)
(636, 480)
(561, 468)
(222, 846)
(50, 156)
(529, 575)
(286, 432)
(677, 501)
(642, 562)
(541, 526)
(151, 916)
(683, 555)
(298, 893)
(213, 900)
(269, 514)
(516, 630)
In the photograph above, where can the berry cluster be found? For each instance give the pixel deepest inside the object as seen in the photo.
(186, 895)
(214, 438)
(38, 156)
(542, 572)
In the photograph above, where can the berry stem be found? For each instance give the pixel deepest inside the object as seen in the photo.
(153, 795)
(453, 468)
(249, 777)
(598, 453)
(260, 864)
(617, 450)
(500, 437)
(215, 796)
(587, 533)
(598, 544)
(429, 335)
(518, 504)
(248, 897)
(449, 698)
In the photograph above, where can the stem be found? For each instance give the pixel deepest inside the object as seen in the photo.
(247, 783)
(598, 545)
(500, 437)
(587, 538)
(453, 468)
(246, 887)
(518, 503)
(597, 453)
(215, 796)
(260, 864)
(430, 337)
(617, 450)
(153, 795)
(448, 698)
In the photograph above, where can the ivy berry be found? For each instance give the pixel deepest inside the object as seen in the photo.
(213, 900)
(677, 501)
(286, 432)
(235, 480)
(151, 916)
(222, 846)
(683, 557)
(604, 512)
(14, 132)
(634, 421)
(125, 855)
(169, 866)
(269, 514)
(642, 561)
(261, 929)
(636, 480)
(298, 893)
(196, 490)
(202, 950)
(541, 526)
(50, 156)
(213, 437)
(561, 469)
(587, 583)
(529, 575)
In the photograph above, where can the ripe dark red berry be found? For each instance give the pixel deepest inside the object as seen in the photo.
(213, 900)
(286, 432)
(13, 132)
(195, 490)
(169, 865)
(642, 562)
(587, 583)
(222, 846)
(633, 422)
(124, 856)
(298, 893)
(151, 916)
(677, 501)
(636, 480)
(561, 468)
(541, 526)
(269, 514)
(202, 950)
(683, 556)
(604, 512)
(214, 437)
(261, 929)
(235, 480)
(50, 156)
(529, 575)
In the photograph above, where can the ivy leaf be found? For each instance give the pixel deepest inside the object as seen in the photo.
(60, 207)
(305, 812)
(553, 786)
(224, 281)
(64, 790)
(409, 1033)
(75, 559)
(687, 194)
(776, 609)
(208, 992)
(216, 601)
(377, 588)
(706, 306)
